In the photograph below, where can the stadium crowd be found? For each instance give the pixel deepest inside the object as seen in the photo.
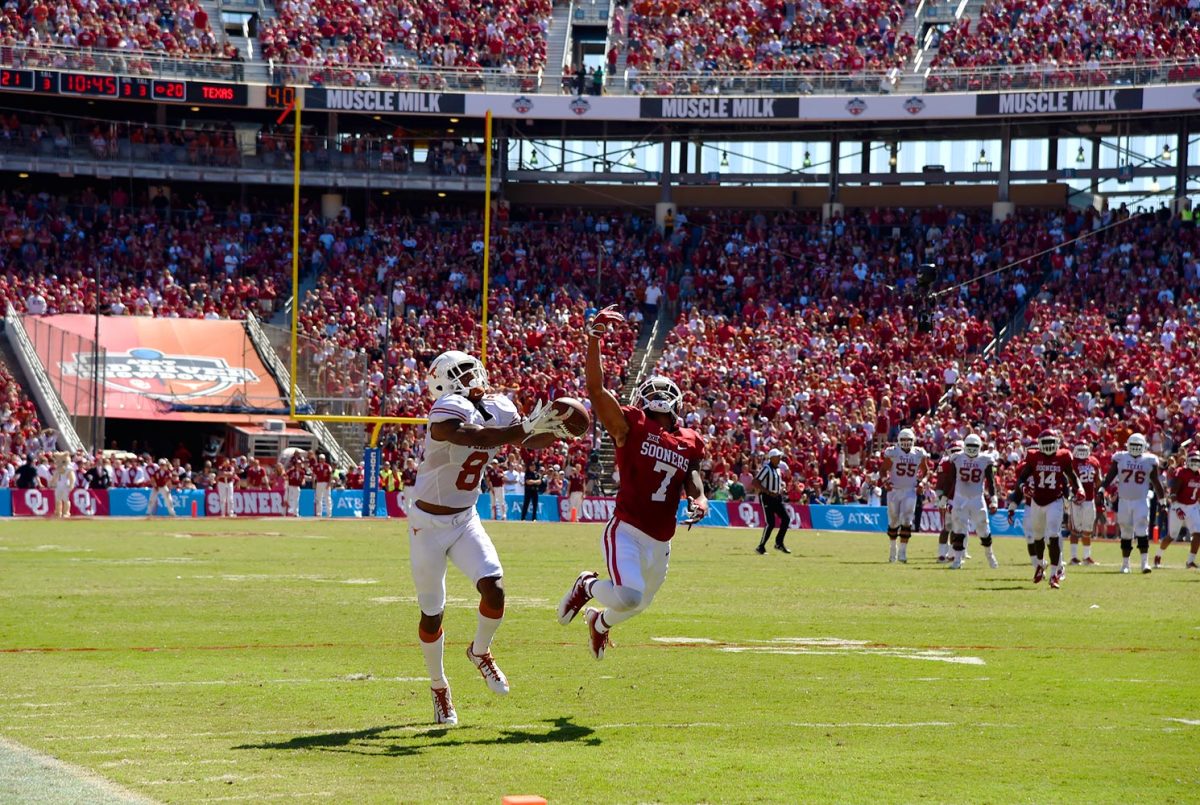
(693, 36)
(855, 344)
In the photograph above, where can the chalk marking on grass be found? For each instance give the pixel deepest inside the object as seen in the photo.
(208, 682)
(1191, 722)
(142, 560)
(824, 647)
(261, 797)
(471, 603)
(27, 774)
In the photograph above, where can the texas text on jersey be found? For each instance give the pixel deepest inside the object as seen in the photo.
(653, 463)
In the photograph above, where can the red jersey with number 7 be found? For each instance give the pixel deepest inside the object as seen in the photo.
(1048, 475)
(653, 463)
(450, 474)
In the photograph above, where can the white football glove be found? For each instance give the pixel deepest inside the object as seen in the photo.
(544, 419)
(942, 502)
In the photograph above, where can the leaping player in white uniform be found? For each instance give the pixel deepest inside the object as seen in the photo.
(1136, 473)
(466, 429)
(903, 467)
(973, 471)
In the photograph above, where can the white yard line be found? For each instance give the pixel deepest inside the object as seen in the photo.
(27, 775)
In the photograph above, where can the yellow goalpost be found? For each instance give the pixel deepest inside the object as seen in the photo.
(378, 421)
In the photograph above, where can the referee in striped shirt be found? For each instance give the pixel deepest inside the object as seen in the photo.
(770, 488)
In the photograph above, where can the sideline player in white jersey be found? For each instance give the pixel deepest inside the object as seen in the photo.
(903, 466)
(466, 428)
(974, 478)
(1136, 473)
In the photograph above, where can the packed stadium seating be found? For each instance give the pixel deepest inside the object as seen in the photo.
(1071, 40)
(169, 28)
(452, 33)
(839, 36)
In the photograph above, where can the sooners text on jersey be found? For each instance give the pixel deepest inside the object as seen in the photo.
(1088, 470)
(1187, 486)
(653, 463)
(1048, 476)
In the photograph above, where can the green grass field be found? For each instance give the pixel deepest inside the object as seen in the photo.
(202, 660)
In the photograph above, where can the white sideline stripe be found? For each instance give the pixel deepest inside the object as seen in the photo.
(1191, 722)
(261, 797)
(27, 775)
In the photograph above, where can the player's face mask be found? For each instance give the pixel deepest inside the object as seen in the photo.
(660, 395)
(1193, 463)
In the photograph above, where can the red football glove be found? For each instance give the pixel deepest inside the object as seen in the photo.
(603, 319)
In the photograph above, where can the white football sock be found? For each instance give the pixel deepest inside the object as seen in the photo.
(1074, 550)
(484, 633)
(958, 555)
(1159, 553)
(433, 660)
(1146, 560)
(943, 549)
(903, 551)
(1087, 551)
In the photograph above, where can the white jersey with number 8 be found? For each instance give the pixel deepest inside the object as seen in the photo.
(450, 474)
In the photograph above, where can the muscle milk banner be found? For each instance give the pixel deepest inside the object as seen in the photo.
(151, 363)
(717, 108)
(383, 100)
(1059, 102)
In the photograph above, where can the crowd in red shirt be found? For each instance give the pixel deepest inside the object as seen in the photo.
(1068, 38)
(766, 35)
(449, 33)
(168, 28)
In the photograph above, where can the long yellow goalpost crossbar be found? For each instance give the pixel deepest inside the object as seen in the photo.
(378, 421)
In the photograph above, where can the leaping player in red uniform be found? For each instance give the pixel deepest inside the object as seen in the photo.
(657, 459)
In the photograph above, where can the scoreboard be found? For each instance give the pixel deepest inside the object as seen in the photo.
(126, 88)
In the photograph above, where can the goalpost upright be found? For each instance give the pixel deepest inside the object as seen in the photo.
(377, 421)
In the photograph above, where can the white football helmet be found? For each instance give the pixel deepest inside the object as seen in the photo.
(972, 445)
(957, 447)
(658, 394)
(1048, 442)
(1082, 451)
(455, 372)
(1136, 445)
(907, 439)
(1193, 461)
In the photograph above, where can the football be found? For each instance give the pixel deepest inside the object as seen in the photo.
(578, 419)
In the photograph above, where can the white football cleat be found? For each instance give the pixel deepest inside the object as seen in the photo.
(956, 564)
(443, 708)
(496, 681)
(576, 597)
(993, 563)
(1124, 568)
(892, 554)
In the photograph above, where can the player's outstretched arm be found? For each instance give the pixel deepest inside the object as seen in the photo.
(465, 434)
(604, 403)
(693, 485)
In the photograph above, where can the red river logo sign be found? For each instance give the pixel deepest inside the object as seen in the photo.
(169, 377)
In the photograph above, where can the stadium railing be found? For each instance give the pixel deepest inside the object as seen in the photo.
(419, 78)
(47, 397)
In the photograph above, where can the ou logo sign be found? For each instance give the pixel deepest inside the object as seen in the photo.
(38, 502)
(83, 503)
(749, 513)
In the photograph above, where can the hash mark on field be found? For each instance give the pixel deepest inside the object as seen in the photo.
(260, 797)
(825, 647)
(238, 577)
(1191, 722)
(468, 603)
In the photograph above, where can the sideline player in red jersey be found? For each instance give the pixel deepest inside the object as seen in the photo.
(1084, 512)
(1053, 478)
(322, 496)
(657, 458)
(1184, 485)
(296, 473)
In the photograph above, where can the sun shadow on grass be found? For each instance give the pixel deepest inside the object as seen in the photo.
(994, 589)
(400, 740)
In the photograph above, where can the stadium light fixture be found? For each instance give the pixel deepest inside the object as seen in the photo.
(807, 159)
(1079, 157)
(454, 120)
(724, 159)
(22, 175)
(631, 160)
(533, 159)
(441, 195)
(1166, 153)
(1154, 185)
